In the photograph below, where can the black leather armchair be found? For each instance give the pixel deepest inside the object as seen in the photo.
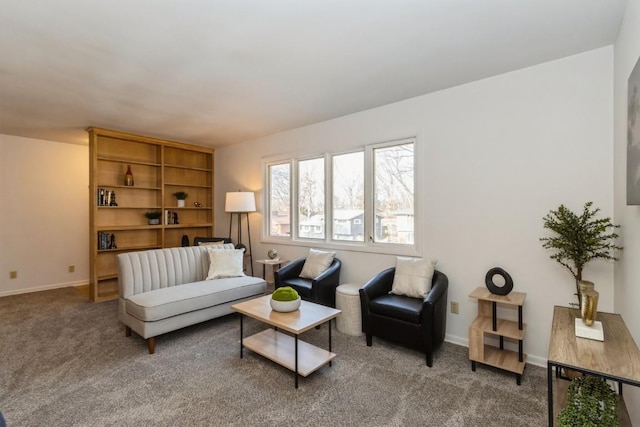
(321, 290)
(414, 322)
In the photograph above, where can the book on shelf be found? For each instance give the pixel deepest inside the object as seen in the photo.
(106, 241)
(106, 197)
(170, 217)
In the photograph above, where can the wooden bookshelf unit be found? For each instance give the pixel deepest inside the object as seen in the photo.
(488, 323)
(160, 168)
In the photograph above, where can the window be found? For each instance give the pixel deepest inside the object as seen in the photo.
(279, 176)
(393, 194)
(311, 198)
(348, 196)
(361, 198)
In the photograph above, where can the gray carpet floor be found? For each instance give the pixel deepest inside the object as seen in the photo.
(65, 361)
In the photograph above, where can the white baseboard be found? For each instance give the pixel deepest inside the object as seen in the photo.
(463, 341)
(532, 359)
(43, 288)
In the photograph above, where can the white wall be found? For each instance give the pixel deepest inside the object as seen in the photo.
(499, 154)
(44, 215)
(627, 272)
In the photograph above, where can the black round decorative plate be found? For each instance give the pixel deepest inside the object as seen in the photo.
(495, 289)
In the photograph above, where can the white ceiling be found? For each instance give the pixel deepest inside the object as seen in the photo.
(215, 72)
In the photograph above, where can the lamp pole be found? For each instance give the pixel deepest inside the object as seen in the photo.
(241, 202)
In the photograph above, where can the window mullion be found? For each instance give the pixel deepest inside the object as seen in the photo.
(369, 211)
(328, 198)
(295, 231)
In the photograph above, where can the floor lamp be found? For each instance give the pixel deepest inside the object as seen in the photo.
(241, 202)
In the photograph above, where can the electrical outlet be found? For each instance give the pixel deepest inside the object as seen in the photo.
(72, 268)
(455, 307)
(13, 275)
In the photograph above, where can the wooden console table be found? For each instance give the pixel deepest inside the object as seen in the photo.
(616, 358)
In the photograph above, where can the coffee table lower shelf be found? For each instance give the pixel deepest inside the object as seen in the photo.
(280, 348)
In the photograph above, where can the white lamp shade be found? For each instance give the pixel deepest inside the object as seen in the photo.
(240, 201)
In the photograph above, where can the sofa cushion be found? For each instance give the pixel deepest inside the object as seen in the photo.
(175, 300)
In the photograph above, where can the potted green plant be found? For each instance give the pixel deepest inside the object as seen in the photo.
(579, 239)
(285, 299)
(153, 217)
(181, 196)
(590, 402)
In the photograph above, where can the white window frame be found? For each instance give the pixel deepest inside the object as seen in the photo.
(266, 223)
(369, 245)
(295, 218)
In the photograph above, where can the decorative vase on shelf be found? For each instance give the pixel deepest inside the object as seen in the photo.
(584, 286)
(181, 203)
(128, 177)
(589, 307)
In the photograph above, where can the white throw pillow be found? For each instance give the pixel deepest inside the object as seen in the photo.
(316, 263)
(413, 277)
(221, 242)
(217, 246)
(225, 263)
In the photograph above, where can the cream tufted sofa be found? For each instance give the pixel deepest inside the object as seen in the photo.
(162, 290)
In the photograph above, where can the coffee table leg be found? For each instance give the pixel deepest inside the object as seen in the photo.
(241, 317)
(296, 373)
(329, 339)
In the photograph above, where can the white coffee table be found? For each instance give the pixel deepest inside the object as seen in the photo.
(296, 355)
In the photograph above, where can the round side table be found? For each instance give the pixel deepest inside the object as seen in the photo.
(348, 300)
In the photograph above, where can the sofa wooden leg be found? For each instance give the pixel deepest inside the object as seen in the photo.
(127, 331)
(151, 343)
(430, 359)
(369, 340)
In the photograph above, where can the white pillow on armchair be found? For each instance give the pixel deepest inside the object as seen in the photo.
(316, 263)
(413, 277)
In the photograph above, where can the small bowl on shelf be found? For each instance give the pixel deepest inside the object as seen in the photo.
(285, 306)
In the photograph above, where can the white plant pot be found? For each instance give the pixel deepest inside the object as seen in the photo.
(181, 203)
(285, 306)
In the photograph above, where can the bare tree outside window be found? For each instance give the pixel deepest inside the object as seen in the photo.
(393, 193)
(348, 197)
(280, 200)
(311, 198)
